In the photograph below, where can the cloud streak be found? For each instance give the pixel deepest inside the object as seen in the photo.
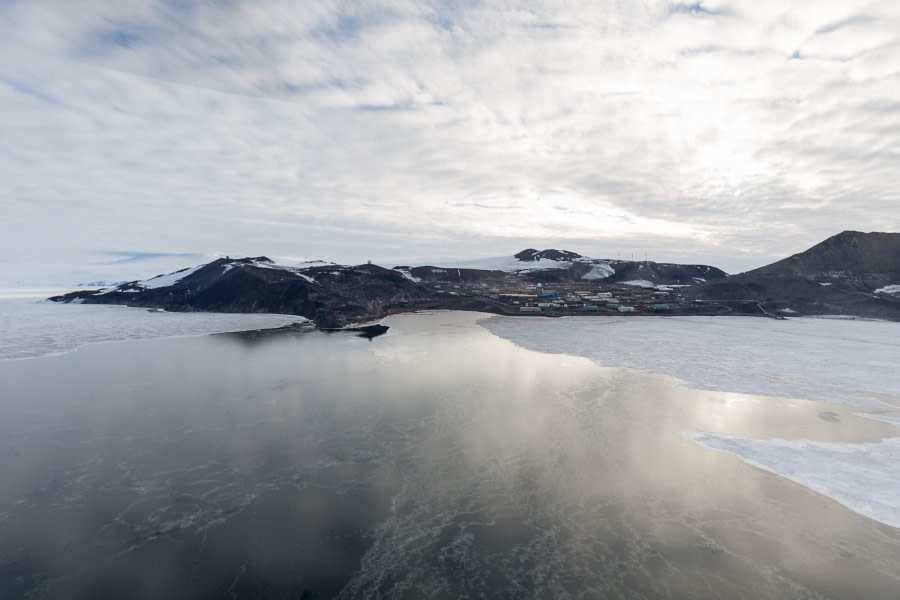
(721, 132)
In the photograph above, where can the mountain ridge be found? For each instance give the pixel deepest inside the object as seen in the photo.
(851, 273)
(841, 275)
(333, 295)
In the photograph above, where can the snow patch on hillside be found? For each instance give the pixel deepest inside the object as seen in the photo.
(599, 271)
(407, 275)
(504, 263)
(299, 269)
(308, 264)
(509, 264)
(161, 281)
(892, 290)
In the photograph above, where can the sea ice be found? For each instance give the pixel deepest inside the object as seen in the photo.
(862, 477)
(30, 329)
(843, 361)
(851, 362)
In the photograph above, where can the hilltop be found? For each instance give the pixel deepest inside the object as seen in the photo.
(851, 273)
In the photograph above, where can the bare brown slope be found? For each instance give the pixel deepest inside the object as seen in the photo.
(870, 259)
(837, 276)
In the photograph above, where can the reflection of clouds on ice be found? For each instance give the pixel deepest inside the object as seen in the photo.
(816, 359)
(862, 477)
(29, 329)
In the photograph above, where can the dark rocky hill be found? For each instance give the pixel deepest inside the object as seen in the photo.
(451, 275)
(866, 261)
(664, 273)
(838, 276)
(620, 271)
(332, 296)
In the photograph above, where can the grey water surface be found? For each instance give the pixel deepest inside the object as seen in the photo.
(437, 461)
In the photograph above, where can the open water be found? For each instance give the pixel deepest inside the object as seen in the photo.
(436, 461)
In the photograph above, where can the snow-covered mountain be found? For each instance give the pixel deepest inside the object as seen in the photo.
(556, 265)
(327, 293)
(526, 260)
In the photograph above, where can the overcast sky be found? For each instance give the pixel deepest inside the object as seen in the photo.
(727, 133)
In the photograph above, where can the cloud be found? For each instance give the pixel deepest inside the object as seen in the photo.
(737, 131)
(131, 256)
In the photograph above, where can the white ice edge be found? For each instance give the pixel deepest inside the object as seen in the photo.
(842, 361)
(861, 477)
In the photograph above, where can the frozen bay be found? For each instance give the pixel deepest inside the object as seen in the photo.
(31, 327)
(849, 362)
(437, 461)
(833, 360)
